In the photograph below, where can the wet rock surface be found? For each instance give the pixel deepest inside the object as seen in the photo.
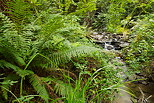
(109, 41)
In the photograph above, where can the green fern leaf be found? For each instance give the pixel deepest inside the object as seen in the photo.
(5, 64)
(22, 73)
(19, 10)
(38, 85)
(65, 56)
(63, 89)
(7, 82)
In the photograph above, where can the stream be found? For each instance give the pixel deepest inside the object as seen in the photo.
(144, 93)
(141, 87)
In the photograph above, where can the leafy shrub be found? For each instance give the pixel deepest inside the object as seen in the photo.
(115, 15)
(141, 50)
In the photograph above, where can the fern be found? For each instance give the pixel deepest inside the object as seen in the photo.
(67, 55)
(20, 11)
(20, 72)
(49, 28)
(5, 64)
(38, 85)
(71, 93)
(12, 55)
(36, 38)
(62, 88)
(7, 82)
(11, 41)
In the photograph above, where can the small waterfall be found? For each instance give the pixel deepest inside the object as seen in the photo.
(109, 41)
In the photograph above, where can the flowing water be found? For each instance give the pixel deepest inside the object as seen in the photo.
(143, 93)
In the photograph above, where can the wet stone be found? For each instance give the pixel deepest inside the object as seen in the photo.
(109, 48)
(109, 41)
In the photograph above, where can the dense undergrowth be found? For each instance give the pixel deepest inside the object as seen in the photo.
(45, 55)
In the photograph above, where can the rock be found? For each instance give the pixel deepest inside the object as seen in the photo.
(118, 48)
(132, 77)
(118, 58)
(114, 35)
(124, 44)
(114, 40)
(108, 42)
(101, 44)
(139, 74)
(97, 37)
(95, 33)
(115, 43)
(108, 47)
(103, 33)
(145, 83)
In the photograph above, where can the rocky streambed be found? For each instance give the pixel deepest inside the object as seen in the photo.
(110, 41)
(140, 89)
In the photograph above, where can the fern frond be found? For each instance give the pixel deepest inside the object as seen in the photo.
(20, 72)
(19, 10)
(67, 55)
(7, 82)
(5, 64)
(63, 89)
(71, 94)
(11, 55)
(39, 86)
(12, 42)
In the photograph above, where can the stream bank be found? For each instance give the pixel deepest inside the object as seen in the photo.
(140, 85)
